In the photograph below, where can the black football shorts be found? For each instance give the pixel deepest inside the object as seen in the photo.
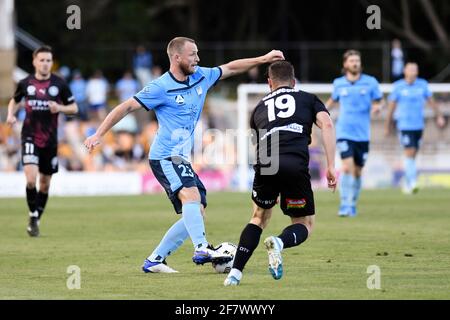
(292, 183)
(45, 158)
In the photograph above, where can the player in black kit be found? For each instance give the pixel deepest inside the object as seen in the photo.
(45, 96)
(282, 124)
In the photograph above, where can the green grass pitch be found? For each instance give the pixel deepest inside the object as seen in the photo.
(407, 237)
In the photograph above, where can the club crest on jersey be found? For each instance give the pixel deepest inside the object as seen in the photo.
(295, 203)
(179, 99)
(199, 90)
(31, 90)
(53, 91)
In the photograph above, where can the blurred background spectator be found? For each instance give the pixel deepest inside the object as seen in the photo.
(143, 64)
(398, 60)
(96, 92)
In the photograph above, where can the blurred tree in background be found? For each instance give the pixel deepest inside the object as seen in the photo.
(110, 30)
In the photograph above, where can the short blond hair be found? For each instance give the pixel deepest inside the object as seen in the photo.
(176, 45)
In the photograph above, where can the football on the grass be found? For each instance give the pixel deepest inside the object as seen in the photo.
(226, 248)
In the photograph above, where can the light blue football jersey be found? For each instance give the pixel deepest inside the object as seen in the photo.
(410, 99)
(177, 106)
(355, 99)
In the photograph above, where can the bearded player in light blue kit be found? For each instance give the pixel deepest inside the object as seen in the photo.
(359, 97)
(407, 100)
(177, 97)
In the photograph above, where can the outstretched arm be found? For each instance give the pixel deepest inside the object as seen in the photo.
(242, 65)
(325, 123)
(111, 119)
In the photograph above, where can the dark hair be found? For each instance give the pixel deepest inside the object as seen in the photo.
(281, 71)
(44, 48)
(349, 53)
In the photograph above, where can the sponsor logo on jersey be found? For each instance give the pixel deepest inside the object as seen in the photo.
(199, 90)
(295, 203)
(179, 99)
(31, 90)
(292, 127)
(42, 91)
(38, 105)
(53, 91)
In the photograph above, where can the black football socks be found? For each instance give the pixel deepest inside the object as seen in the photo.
(41, 201)
(31, 199)
(247, 244)
(293, 235)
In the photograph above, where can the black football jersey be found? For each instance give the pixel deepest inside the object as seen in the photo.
(40, 124)
(283, 120)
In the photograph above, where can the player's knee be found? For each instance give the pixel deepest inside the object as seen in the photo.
(410, 152)
(189, 195)
(258, 221)
(31, 184)
(44, 184)
(346, 169)
(44, 187)
(307, 221)
(357, 173)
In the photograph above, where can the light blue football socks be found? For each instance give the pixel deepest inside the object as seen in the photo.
(356, 190)
(193, 220)
(410, 171)
(346, 192)
(171, 241)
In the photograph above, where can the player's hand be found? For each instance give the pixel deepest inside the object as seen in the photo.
(11, 119)
(387, 131)
(54, 107)
(91, 142)
(331, 178)
(376, 109)
(440, 121)
(274, 55)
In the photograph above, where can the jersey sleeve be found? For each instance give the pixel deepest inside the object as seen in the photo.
(318, 106)
(376, 92)
(212, 75)
(20, 91)
(393, 96)
(66, 94)
(150, 97)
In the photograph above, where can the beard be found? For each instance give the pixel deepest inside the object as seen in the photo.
(186, 69)
(353, 70)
